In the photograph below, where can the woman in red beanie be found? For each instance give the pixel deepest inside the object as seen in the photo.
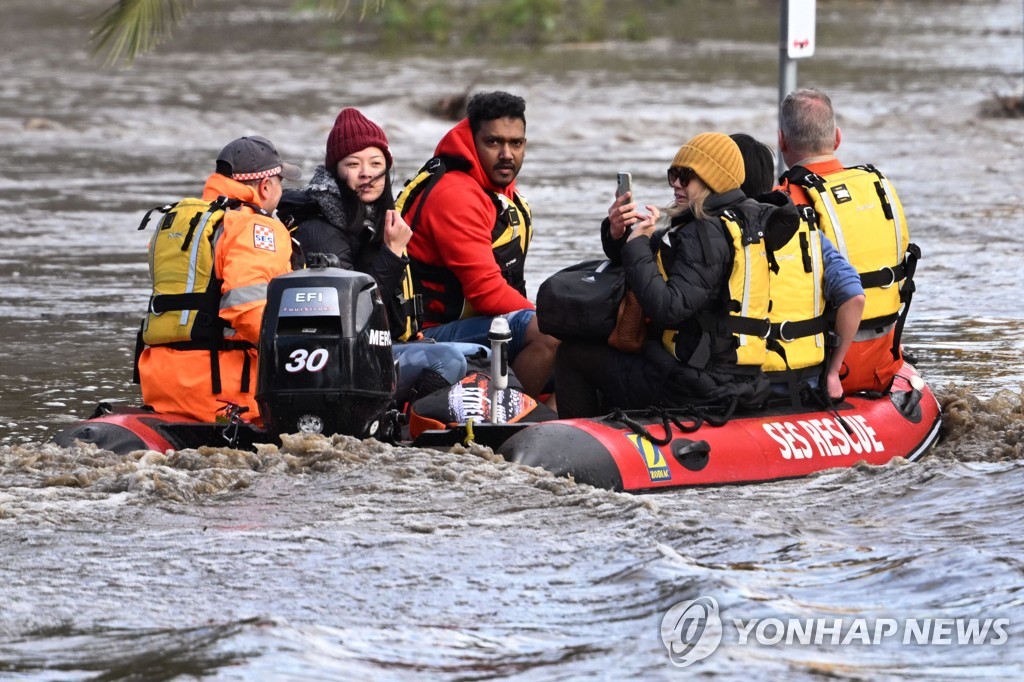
(347, 209)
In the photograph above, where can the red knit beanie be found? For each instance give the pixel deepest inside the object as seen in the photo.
(353, 132)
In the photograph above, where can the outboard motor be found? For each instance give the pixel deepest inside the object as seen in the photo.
(325, 360)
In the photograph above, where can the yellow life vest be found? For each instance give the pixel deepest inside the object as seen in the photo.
(862, 215)
(185, 301)
(798, 300)
(748, 294)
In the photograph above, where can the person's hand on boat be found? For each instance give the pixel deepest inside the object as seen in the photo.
(397, 232)
(834, 385)
(644, 227)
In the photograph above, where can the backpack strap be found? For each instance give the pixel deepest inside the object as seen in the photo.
(139, 347)
(436, 167)
(162, 209)
(799, 175)
(906, 293)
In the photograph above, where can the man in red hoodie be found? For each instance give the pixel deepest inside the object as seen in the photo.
(471, 232)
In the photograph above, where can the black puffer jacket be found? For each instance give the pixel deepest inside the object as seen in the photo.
(698, 257)
(324, 220)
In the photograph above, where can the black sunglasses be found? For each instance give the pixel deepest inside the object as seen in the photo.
(682, 174)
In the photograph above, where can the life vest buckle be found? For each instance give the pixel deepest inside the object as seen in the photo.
(767, 329)
(782, 332)
(892, 277)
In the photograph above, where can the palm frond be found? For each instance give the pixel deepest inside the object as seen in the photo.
(128, 28)
(338, 8)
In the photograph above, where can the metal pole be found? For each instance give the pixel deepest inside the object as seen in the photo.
(787, 73)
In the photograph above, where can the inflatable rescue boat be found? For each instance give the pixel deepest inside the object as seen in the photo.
(337, 317)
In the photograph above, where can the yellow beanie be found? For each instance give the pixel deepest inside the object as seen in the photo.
(715, 158)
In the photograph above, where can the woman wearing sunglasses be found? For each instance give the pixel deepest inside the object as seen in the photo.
(700, 271)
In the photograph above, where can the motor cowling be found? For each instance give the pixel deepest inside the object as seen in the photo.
(325, 360)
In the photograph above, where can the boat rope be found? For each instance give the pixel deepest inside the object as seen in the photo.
(618, 415)
(686, 419)
(825, 401)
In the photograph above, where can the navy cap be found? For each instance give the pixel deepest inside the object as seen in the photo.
(252, 158)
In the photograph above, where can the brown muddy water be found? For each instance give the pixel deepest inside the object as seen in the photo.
(337, 559)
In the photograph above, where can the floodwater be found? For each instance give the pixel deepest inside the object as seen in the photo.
(337, 559)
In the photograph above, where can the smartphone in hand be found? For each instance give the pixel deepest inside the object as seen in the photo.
(625, 184)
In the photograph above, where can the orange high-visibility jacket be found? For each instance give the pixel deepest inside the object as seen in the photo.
(250, 250)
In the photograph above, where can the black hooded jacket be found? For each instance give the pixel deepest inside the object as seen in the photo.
(326, 218)
(698, 258)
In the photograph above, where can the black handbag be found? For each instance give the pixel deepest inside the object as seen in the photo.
(581, 301)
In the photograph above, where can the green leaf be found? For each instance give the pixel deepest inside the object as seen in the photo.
(130, 27)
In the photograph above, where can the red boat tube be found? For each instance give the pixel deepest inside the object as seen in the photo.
(776, 444)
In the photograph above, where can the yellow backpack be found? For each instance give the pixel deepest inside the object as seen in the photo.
(185, 301)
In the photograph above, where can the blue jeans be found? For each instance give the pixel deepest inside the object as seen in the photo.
(474, 330)
(448, 360)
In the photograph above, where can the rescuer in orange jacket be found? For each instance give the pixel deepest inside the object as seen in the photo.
(808, 139)
(251, 247)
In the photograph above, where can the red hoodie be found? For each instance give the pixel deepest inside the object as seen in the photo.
(454, 229)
